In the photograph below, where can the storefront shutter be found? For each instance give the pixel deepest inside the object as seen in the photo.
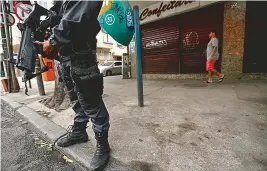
(160, 47)
(195, 28)
(255, 56)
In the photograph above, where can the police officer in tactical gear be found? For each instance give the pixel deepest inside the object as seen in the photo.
(75, 39)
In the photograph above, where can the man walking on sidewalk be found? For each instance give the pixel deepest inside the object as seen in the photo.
(212, 57)
(75, 39)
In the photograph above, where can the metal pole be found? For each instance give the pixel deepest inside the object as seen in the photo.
(12, 67)
(12, 70)
(11, 37)
(39, 78)
(5, 46)
(128, 62)
(6, 29)
(122, 68)
(139, 75)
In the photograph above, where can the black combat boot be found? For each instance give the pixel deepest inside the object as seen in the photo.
(101, 155)
(76, 134)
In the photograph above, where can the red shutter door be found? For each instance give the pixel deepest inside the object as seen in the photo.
(160, 47)
(196, 27)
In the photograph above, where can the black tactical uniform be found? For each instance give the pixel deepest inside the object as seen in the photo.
(75, 39)
(64, 67)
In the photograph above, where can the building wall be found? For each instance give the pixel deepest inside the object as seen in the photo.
(103, 54)
(233, 38)
(107, 47)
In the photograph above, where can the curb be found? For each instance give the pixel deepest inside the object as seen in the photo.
(80, 153)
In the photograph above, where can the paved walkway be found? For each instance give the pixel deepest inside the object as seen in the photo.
(185, 124)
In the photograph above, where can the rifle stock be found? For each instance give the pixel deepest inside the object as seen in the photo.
(27, 51)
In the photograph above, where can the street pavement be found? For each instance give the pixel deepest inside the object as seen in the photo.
(184, 125)
(23, 150)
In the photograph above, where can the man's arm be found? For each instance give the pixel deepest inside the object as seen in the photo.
(213, 52)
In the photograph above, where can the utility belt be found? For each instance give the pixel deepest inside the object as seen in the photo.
(83, 55)
(84, 70)
(80, 49)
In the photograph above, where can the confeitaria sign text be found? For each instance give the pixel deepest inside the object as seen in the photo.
(162, 8)
(168, 8)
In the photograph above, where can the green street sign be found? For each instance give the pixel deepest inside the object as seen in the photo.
(116, 18)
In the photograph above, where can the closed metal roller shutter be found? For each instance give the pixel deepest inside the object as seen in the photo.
(195, 28)
(160, 46)
(255, 56)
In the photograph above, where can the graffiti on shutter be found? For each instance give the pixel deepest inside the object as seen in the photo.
(160, 42)
(190, 42)
(195, 28)
(154, 44)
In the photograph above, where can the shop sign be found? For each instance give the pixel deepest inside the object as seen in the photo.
(154, 44)
(166, 8)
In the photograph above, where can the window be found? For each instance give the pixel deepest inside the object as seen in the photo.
(101, 53)
(117, 63)
(106, 37)
(45, 5)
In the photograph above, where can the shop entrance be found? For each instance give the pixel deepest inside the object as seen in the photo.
(255, 54)
(177, 45)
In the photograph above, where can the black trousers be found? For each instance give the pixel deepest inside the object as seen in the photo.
(84, 84)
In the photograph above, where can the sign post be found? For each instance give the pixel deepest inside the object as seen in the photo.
(15, 2)
(115, 18)
(139, 73)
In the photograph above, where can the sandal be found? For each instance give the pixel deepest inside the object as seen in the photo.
(208, 82)
(221, 79)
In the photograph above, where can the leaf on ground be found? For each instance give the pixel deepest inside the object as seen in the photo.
(49, 147)
(40, 142)
(67, 160)
(24, 122)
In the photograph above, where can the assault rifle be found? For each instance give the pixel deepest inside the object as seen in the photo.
(33, 29)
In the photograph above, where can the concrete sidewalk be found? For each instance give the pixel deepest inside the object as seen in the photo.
(185, 124)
